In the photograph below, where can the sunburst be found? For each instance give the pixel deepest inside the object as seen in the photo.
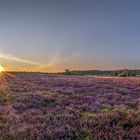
(1, 69)
(3, 81)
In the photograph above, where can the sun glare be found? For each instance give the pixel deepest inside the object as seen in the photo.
(1, 69)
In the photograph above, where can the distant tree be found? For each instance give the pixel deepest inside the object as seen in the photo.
(120, 73)
(67, 72)
(132, 73)
(125, 73)
(115, 73)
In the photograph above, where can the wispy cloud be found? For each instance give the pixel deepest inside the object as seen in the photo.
(35, 66)
(17, 59)
(51, 63)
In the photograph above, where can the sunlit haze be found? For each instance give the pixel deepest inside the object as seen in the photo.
(1, 69)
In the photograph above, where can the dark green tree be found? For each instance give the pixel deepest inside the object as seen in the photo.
(125, 73)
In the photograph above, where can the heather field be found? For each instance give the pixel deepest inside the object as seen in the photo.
(47, 107)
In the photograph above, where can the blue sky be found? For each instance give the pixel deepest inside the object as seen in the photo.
(51, 35)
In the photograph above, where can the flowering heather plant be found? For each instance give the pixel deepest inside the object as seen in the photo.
(44, 107)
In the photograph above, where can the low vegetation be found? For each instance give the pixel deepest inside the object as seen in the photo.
(44, 107)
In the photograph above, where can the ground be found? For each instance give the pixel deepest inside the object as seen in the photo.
(52, 107)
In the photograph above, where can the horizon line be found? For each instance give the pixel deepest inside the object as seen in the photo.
(70, 70)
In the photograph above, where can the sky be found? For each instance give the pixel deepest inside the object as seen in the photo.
(54, 35)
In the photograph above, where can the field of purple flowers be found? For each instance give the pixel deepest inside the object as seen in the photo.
(43, 107)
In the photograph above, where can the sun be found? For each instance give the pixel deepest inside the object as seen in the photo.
(1, 69)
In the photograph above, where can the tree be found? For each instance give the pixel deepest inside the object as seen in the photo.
(67, 72)
(125, 73)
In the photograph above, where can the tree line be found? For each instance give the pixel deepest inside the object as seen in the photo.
(119, 73)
